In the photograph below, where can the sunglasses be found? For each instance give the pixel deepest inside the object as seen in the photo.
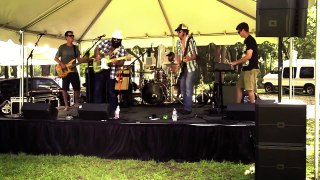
(70, 35)
(239, 31)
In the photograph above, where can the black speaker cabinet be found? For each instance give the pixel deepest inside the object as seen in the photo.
(229, 94)
(280, 141)
(280, 162)
(241, 111)
(43, 111)
(281, 18)
(281, 124)
(94, 111)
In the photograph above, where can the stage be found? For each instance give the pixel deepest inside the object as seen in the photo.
(202, 135)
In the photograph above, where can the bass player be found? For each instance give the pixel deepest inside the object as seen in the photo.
(69, 53)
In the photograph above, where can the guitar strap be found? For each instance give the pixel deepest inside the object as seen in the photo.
(75, 53)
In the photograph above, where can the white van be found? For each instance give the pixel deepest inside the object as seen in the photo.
(303, 76)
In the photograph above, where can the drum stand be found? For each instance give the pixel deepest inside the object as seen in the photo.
(176, 98)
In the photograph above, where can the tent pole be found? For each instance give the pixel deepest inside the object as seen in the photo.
(21, 67)
(280, 64)
(316, 120)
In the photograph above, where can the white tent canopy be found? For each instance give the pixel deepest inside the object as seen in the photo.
(142, 22)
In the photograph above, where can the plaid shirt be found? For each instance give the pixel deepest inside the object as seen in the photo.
(105, 46)
(191, 65)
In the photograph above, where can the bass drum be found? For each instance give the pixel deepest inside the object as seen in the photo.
(154, 93)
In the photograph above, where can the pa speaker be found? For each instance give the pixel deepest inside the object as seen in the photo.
(44, 111)
(281, 18)
(281, 124)
(94, 111)
(280, 162)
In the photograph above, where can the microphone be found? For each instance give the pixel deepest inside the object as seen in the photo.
(41, 34)
(103, 35)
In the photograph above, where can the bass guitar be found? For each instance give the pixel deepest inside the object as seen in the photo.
(98, 66)
(64, 72)
(182, 63)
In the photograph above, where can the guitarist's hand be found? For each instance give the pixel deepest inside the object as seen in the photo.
(98, 57)
(63, 66)
(186, 59)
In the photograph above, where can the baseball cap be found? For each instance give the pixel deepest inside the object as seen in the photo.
(181, 27)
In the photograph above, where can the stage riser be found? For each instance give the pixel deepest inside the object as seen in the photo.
(161, 142)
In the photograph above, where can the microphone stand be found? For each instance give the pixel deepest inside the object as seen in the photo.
(90, 73)
(141, 66)
(31, 71)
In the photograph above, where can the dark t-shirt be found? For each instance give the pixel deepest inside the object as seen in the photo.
(251, 43)
(68, 53)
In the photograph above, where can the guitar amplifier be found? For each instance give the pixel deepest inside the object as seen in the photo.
(122, 79)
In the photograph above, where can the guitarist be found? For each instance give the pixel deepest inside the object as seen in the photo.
(186, 57)
(105, 79)
(66, 53)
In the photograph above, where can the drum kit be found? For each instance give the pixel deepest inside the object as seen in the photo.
(159, 85)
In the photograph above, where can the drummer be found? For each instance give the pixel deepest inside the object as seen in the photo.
(172, 67)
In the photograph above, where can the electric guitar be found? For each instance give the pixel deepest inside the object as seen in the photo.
(64, 72)
(98, 66)
(182, 63)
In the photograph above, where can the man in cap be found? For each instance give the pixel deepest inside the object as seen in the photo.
(186, 57)
(105, 79)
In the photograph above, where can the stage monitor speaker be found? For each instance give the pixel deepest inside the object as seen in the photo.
(43, 111)
(95, 112)
(281, 18)
(277, 162)
(281, 124)
(241, 111)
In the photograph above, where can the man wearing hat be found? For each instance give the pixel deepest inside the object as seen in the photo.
(186, 57)
(105, 79)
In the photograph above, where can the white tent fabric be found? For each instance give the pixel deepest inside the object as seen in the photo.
(142, 22)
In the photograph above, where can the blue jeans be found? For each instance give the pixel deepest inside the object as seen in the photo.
(104, 89)
(186, 87)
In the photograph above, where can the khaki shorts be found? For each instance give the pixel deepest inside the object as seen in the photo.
(248, 79)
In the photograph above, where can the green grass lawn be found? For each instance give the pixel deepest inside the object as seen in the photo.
(24, 166)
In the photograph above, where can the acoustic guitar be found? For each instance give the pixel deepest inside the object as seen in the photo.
(64, 72)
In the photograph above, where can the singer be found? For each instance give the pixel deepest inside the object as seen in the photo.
(105, 77)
